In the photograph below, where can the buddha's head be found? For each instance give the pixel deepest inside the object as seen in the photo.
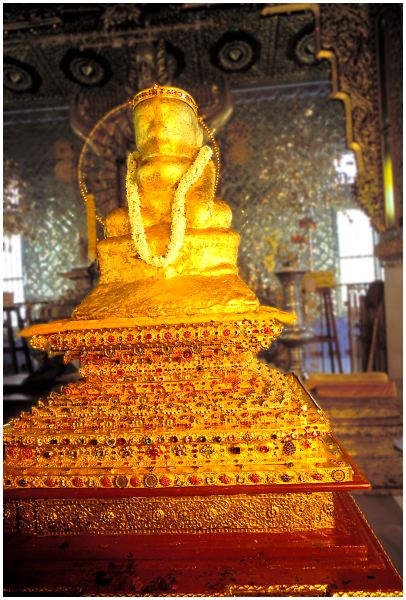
(167, 134)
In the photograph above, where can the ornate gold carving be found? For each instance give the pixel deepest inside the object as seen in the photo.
(278, 590)
(197, 514)
(382, 593)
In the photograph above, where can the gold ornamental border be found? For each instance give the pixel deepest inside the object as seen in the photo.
(123, 479)
(273, 316)
(275, 512)
(163, 338)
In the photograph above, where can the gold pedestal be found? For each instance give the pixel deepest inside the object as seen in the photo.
(180, 449)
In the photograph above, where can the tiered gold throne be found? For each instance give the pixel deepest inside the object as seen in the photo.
(175, 427)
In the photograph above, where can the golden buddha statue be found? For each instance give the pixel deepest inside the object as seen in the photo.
(171, 251)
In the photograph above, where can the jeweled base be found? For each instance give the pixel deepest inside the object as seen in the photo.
(346, 560)
(171, 406)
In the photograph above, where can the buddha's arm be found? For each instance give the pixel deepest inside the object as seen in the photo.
(202, 211)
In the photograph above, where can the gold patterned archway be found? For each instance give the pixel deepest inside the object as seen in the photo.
(343, 36)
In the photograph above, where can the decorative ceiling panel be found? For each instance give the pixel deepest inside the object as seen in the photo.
(69, 46)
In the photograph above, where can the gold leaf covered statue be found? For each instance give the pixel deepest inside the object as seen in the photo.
(171, 397)
(171, 252)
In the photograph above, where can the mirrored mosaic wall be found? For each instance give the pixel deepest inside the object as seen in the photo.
(279, 154)
(44, 153)
(280, 157)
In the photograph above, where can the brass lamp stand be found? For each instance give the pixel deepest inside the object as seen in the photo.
(295, 335)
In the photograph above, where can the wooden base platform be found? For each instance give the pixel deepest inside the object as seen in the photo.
(344, 561)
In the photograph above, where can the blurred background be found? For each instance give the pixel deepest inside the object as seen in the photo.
(304, 103)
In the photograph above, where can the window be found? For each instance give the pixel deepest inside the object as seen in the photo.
(13, 267)
(356, 248)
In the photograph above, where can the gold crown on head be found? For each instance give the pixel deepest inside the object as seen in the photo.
(164, 91)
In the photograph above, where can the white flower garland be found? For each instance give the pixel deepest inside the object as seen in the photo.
(178, 224)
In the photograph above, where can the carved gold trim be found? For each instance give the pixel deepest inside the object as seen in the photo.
(196, 514)
(369, 594)
(246, 591)
(58, 590)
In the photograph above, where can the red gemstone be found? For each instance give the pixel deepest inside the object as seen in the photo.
(106, 482)
(12, 452)
(254, 478)
(194, 480)
(93, 340)
(148, 336)
(187, 334)
(165, 481)
(224, 479)
(267, 330)
(264, 449)
(226, 332)
(205, 333)
(27, 452)
(110, 338)
(167, 335)
(134, 481)
(130, 337)
(74, 341)
(154, 452)
(49, 482)
(77, 482)
(120, 372)
(121, 442)
(317, 476)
